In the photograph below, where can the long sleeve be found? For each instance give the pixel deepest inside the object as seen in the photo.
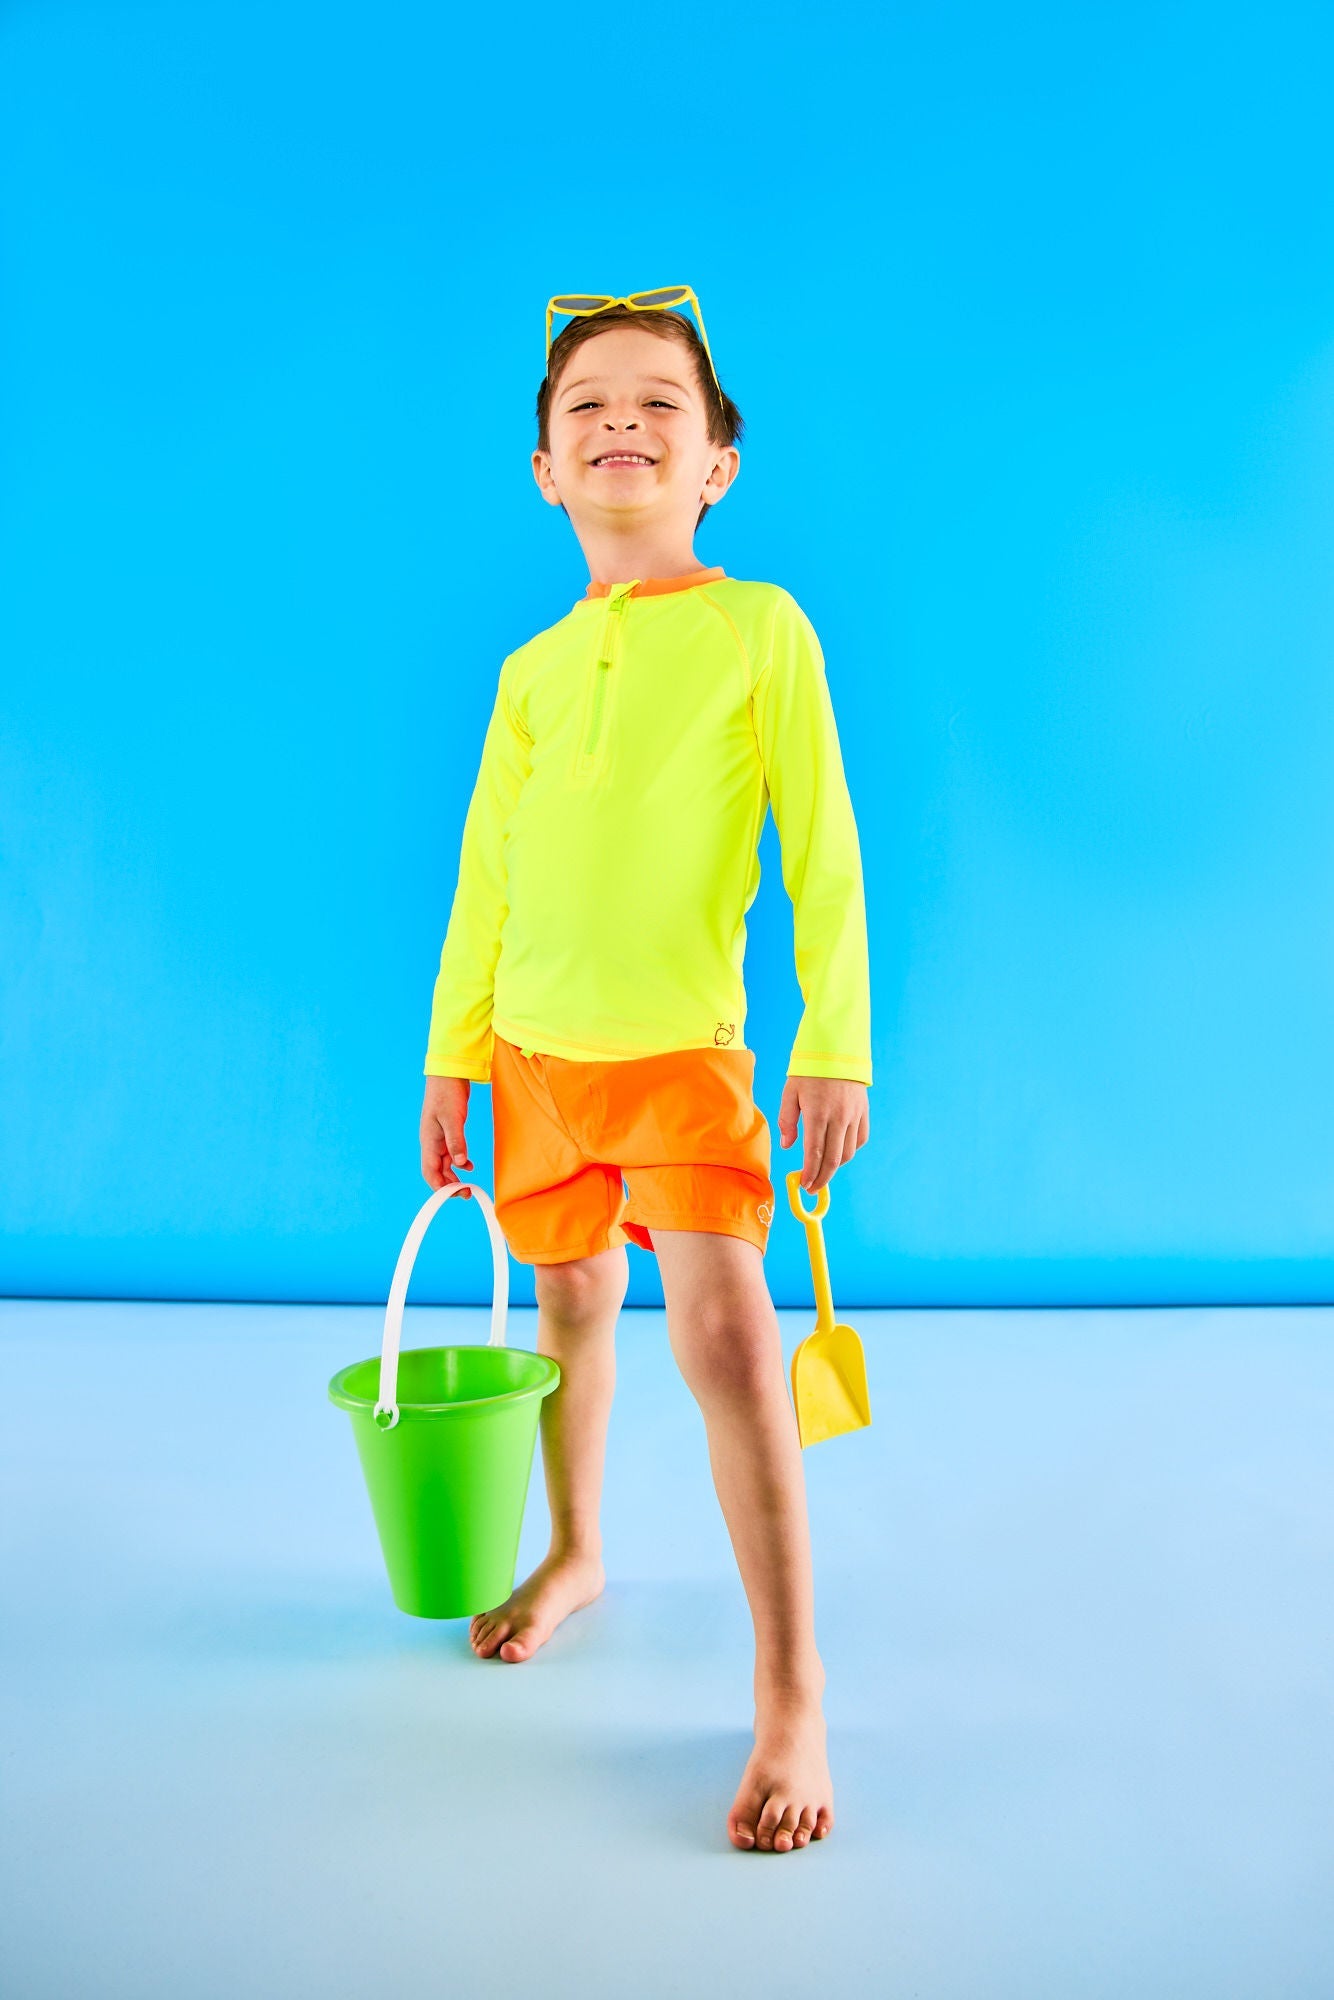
(797, 735)
(460, 1040)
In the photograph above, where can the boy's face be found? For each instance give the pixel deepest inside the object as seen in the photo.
(628, 391)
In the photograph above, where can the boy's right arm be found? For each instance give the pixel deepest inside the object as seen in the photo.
(444, 1115)
(460, 1039)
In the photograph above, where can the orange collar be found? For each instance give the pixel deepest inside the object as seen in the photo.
(655, 586)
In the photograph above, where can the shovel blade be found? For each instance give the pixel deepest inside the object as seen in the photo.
(829, 1391)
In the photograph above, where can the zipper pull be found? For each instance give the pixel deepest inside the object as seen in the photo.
(615, 609)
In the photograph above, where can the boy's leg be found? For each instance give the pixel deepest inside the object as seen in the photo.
(725, 1336)
(577, 1308)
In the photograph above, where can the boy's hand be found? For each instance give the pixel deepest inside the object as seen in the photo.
(443, 1115)
(837, 1119)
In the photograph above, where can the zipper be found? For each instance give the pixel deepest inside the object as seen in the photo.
(611, 630)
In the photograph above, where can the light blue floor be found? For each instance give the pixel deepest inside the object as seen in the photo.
(1073, 1596)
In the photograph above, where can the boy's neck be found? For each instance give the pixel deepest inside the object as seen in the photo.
(620, 558)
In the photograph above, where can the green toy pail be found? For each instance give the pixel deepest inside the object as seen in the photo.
(446, 1437)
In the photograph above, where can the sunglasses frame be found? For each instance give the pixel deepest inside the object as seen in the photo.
(633, 300)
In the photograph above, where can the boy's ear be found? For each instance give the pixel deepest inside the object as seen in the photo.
(722, 475)
(542, 474)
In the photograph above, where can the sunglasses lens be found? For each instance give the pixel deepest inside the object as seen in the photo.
(665, 298)
(578, 302)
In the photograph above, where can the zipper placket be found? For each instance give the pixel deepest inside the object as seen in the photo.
(611, 631)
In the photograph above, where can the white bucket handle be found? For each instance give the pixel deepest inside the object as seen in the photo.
(387, 1406)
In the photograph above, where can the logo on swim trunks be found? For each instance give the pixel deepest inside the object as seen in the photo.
(765, 1211)
(724, 1033)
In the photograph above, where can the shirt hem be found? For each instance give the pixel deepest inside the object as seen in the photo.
(548, 1044)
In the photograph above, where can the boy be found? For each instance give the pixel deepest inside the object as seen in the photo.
(591, 973)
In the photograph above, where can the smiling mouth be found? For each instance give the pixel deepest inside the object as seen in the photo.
(622, 458)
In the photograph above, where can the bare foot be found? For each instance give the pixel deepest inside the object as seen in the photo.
(528, 1617)
(786, 1796)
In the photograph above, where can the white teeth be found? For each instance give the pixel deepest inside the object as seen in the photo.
(623, 458)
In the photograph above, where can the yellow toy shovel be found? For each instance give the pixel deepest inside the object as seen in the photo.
(829, 1389)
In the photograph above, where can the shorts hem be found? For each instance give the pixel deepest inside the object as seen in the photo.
(716, 1225)
(592, 1248)
(696, 1220)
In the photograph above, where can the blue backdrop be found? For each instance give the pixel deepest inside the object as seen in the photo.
(1031, 317)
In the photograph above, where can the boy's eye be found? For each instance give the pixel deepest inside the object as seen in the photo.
(592, 404)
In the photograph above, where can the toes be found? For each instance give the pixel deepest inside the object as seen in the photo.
(780, 1828)
(515, 1649)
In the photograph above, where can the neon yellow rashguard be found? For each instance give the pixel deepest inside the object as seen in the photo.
(608, 855)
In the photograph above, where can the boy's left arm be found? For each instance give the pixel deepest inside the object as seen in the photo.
(829, 1070)
(836, 1119)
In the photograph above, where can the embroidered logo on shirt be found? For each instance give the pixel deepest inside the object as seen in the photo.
(765, 1211)
(724, 1033)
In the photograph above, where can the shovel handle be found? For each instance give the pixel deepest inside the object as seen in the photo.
(810, 1217)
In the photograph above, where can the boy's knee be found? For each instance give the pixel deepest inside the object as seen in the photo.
(724, 1353)
(582, 1284)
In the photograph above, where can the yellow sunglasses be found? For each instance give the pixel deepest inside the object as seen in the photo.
(582, 305)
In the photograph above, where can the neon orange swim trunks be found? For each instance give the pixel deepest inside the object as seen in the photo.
(682, 1128)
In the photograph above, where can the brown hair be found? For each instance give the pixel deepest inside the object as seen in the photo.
(724, 420)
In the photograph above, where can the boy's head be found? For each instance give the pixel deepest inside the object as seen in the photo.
(640, 382)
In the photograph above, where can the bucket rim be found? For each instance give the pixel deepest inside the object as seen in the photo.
(355, 1405)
